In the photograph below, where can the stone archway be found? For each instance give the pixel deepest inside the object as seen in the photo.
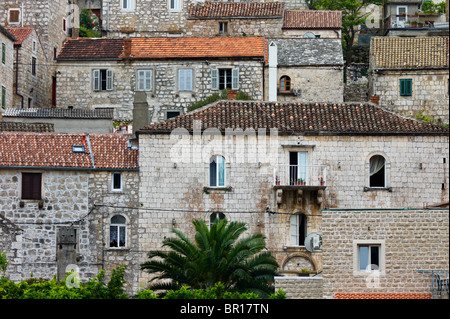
(293, 264)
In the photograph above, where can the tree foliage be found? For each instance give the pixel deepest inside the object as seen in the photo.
(353, 15)
(217, 255)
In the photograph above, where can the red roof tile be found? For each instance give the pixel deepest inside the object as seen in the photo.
(54, 150)
(312, 19)
(233, 10)
(182, 48)
(20, 33)
(382, 296)
(91, 49)
(312, 118)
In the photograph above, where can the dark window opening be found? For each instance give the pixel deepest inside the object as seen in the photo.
(31, 186)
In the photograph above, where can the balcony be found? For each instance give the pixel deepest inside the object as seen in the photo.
(307, 177)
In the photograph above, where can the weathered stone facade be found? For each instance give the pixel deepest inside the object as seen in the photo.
(75, 85)
(410, 240)
(301, 287)
(6, 69)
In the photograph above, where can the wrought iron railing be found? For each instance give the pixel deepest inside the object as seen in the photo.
(300, 175)
(439, 281)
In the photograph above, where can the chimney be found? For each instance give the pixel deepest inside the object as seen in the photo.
(273, 71)
(127, 48)
(140, 111)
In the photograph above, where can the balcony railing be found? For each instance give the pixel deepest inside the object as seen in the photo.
(300, 175)
(439, 281)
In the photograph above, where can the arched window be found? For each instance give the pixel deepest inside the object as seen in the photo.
(309, 35)
(117, 231)
(377, 171)
(285, 84)
(298, 229)
(216, 216)
(217, 171)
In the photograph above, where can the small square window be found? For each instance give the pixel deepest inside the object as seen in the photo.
(117, 182)
(31, 186)
(78, 148)
(33, 66)
(223, 27)
(171, 114)
(405, 87)
(14, 16)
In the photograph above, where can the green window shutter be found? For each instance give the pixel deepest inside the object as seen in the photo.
(3, 97)
(3, 53)
(405, 87)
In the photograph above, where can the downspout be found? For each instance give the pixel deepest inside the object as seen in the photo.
(107, 18)
(90, 149)
(17, 74)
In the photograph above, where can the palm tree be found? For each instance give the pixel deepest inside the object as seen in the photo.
(216, 256)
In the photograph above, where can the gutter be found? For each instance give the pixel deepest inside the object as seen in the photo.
(69, 168)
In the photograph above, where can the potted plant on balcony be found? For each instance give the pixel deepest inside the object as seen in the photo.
(414, 24)
(277, 180)
(304, 272)
(420, 24)
(321, 180)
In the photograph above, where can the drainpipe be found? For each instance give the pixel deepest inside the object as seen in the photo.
(90, 150)
(17, 74)
(273, 70)
(107, 18)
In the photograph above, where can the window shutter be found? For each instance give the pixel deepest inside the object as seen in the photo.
(293, 230)
(185, 79)
(148, 80)
(141, 79)
(221, 167)
(402, 87)
(31, 185)
(109, 80)
(214, 79)
(235, 79)
(213, 172)
(408, 87)
(96, 81)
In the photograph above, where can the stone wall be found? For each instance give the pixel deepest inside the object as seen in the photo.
(7, 71)
(300, 287)
(236, 27)
(430, 92)
(410, 240)
(75, 85)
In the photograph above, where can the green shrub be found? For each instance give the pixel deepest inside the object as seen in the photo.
(241, 96)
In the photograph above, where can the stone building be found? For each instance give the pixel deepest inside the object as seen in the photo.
(53, 190)
(6, 69)
(31, 85)
(53, 21)
(173, 72)
(410, 75)
(306, 70)
(225, 161)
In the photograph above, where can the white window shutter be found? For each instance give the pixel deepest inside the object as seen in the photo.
(185, 79)
(214, 79)
(140, 80)
(235, 79)
(188, 79)
(148, 80)
(109, 80)
(96, 80)
(293, 230)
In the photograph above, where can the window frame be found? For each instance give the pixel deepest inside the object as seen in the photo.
(383, 169)
(3, 53)
(130, 5)
(405, 87)
(27, 190)
(217, 76)
(113, 188)
(182, 87)
(223, 27)
(301, 221)
(357, 244)
(214, 216)
(177, 5)
(217, 171)
(15, 23)
(146, 73)
(97, 80)
(33, 66)
(120, 227)
(287, 83)
(3, 97)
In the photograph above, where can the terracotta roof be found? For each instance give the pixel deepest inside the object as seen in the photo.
(409, 52)
(54, 150)
(26, 127)
(236, 10)
(91, 49)
(217, 47)
(312, 118)
(312, 19)
(378, 295)
(20, 33)
(106, 113)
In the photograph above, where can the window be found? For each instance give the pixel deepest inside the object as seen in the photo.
(31, 186)
(117, 182)
(223, 27)
(145, 80)
(34, 47)
(117, 232)
(103, 80)
(216, 216)
(3, 97)
(175, 5)
(217, 171)
(298, 229)
(369, 257)
(298, 162)
(405, 87)
(225, 79)
(285, 84)
(185, 79)
(64, 25)
(127, 4)
(14, 16)
(33, 66)
(377, 171)
(309, 35)
(3, 53)
(171, 114)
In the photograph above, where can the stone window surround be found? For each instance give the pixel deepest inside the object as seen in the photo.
(387, 172)
(408, 97)
(42, 184)
(117, 190)
(131, 5)
(9, 16)
(357, 243)
(152, 90)
(127, 231)
(174, 9)
(178, 83)
(224, 188)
